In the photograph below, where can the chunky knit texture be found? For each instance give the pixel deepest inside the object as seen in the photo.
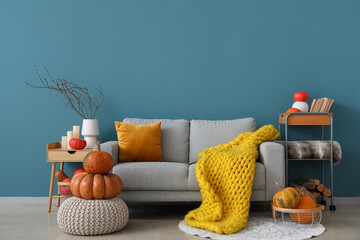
(225, 174)
(78, 216)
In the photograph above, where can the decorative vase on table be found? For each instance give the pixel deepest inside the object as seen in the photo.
(78, 99)
(90, 131)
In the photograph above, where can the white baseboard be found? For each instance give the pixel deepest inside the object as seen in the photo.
(345, 201)
(26, 201)
(43, 201)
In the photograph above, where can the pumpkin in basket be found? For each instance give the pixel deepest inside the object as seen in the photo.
(286, 198)
(306, 202)
(96, 186)
(98, 161)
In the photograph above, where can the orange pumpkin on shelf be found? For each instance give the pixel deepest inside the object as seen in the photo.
(286, 198)
(290, 110)
(301, 96)
(306, 202)
(98, 162)
(96, 186)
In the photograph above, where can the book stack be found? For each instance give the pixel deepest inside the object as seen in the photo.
(321, 105)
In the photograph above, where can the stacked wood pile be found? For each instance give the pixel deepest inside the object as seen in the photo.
(313, 186)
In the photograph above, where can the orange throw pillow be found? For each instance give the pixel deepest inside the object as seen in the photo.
(139, 143)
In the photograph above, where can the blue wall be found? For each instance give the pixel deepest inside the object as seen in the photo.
(174, 59)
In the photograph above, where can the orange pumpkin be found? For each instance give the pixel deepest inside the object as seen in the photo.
(286, 198)
(306, 202)
(301, 96)
(96, 186)
(98, 162)
(290, 110)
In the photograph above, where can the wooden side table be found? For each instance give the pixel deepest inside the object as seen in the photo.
(55, 154)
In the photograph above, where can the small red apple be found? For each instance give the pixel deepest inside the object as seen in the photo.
(65, 190)
(79, 170)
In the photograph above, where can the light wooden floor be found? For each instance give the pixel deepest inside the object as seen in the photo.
(155, 222)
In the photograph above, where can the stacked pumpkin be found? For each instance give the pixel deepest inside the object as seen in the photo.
(300, 104)
(291, 198)
(96, 182)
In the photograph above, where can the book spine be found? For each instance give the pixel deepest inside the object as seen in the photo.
(324, 105)
(330, 104)
(312, 105)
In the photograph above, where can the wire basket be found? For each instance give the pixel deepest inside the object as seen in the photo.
(300, 216)
(64, 188)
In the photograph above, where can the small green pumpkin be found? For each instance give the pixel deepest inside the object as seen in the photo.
(286, 198)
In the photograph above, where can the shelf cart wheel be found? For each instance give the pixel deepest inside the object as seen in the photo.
(332, 208)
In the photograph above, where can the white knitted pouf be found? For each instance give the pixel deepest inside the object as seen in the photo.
(78, 216)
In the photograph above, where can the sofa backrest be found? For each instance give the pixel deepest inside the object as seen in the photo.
(205, 133)
(174, 137)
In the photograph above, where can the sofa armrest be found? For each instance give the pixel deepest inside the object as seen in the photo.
(112, 148)
(272, 155)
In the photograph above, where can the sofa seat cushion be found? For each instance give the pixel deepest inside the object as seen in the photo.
(205, 134)
(153, 175)
(174, 137)
(259, 179)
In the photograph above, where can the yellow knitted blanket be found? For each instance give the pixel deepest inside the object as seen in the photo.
(225, 174)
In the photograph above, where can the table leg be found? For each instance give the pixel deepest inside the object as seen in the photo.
(51, 185)
(58, 200)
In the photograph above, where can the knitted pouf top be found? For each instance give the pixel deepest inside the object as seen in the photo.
(225, 174)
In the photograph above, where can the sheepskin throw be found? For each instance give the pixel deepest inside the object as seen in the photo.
(313, 150)
(225, 174)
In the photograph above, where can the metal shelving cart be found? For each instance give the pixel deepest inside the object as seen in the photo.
(310, 119)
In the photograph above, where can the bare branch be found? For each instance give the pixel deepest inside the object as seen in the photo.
(75, 97)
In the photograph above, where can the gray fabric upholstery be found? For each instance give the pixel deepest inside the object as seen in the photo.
(257, 195)
(193, 184)
(174, 137)
(205, 134)
(175, 196)
(272, 155)
(161, 196)
(112, 148)
(259, 178)
(176, 181)
(153, 175)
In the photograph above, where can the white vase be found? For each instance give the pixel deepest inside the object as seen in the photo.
(90, 131)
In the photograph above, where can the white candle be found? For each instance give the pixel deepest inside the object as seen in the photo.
(70, 135)
(76, 130)
(64, 142)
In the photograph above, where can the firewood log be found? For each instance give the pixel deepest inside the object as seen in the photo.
(305, 191)
(313, 180)
(327, 192)
(316, 194)
(308, 185)
(320, 187)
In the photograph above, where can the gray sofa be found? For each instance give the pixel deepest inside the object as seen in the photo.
(174, 180)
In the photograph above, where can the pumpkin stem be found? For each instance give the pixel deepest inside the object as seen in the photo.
(98, 146)
(302, 191)
(278, 185)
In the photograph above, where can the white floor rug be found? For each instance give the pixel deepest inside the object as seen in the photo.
(261, 228)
